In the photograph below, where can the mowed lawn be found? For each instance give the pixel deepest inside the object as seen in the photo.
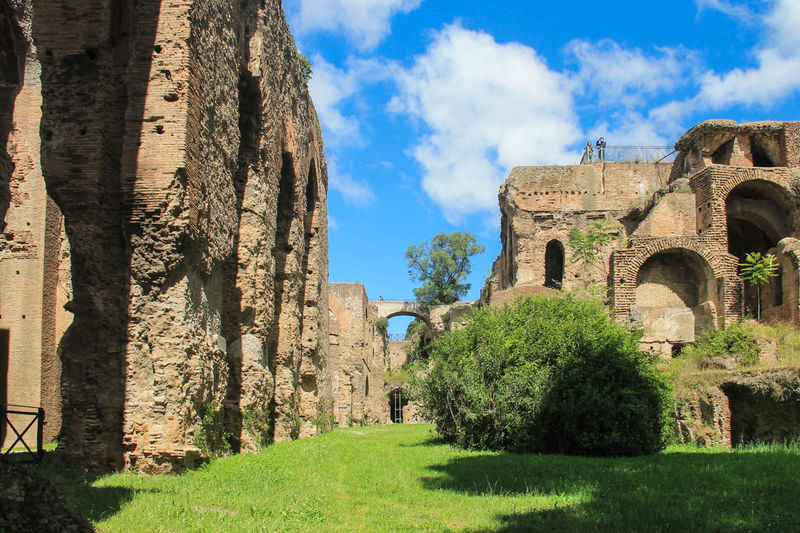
(400, 478)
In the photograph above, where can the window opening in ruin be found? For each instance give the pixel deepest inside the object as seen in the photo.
(759, 213)
(761, 154)
(397, 401)
(777, 290)
(723, 154)
(4, 353)
(554, 264)
(311, 198)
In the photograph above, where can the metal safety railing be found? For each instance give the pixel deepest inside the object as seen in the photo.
(628, 154)
(12, 418)
(396, 336)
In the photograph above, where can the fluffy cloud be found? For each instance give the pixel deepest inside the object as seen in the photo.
(330, 88)
(354, 192)
(774, 76)
(365, 22)
(486, 107)
(619, 76)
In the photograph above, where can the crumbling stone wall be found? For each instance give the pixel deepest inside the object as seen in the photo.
(733, 188)
(358, 353)
(31, 231)
(179, 142)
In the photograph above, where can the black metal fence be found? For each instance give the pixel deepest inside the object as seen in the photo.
(16, 423)
(396, 336)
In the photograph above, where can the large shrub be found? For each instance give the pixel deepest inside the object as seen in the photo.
(547, 374)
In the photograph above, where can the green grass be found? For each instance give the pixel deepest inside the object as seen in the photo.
(400, 478)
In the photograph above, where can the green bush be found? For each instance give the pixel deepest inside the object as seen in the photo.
(547, 374)
(732, 341)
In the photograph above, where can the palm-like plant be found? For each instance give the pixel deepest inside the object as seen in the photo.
(757, 270)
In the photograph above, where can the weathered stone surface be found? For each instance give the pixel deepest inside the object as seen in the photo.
(677, 231)
(179, 142)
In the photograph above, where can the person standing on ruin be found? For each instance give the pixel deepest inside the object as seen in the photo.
(588, 152)
(601, 149)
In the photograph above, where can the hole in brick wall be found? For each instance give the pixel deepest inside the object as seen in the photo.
(171, 97)
(23, 317)
(554, 264)
(48, 135)
(160, 129)
(48, 53)
(92, 53)
(83, 132)
(157, 48)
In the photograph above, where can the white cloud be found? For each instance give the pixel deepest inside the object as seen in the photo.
(774, 76)
(620, 76)
(333, 223)
(488, 107)
(353, 191)
(365, 23)
(736, 11)
(331, 87)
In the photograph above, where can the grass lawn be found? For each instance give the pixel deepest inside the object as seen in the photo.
(399, 478)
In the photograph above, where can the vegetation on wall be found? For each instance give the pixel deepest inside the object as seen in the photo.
(548, 374)
(210, 437)
(758, 270)
(587, 245)
(442, 266)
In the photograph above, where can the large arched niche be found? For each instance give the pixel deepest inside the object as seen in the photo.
(759, 214)
(676, 295)
(554, 264)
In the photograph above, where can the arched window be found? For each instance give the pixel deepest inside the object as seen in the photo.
(554, 264)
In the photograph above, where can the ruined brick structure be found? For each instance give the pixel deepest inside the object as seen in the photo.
(678, 230)
(179, 143)
(365, 365)
(357, 357)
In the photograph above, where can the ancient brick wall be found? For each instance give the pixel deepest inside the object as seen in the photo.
(667, 214)
(180, 143)
(31, 225)
(361, 357)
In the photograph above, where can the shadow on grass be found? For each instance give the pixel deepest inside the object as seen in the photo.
(93, 503)
(680, 491)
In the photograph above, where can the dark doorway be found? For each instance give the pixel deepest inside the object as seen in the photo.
(4, 349)
(397, 401)
(554, 264)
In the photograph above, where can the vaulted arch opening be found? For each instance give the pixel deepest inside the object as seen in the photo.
(397, 403)
(554, 264)
(676, 296)
(759, 214)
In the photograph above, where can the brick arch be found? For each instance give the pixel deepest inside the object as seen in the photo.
(627, 264)
(781, 186)
(339, 310)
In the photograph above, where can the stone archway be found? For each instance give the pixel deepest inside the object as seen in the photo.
(676, 296)
(758, 214)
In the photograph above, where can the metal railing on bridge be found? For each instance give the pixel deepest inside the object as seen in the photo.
(13, 417)
(628, 154)
(396, 336)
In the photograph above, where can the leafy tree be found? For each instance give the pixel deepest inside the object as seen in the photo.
(442, 266)
(757, 270)
(587, 244)
(382, 324)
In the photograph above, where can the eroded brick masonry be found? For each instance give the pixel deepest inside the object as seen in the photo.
(677, 230)
(163, 188)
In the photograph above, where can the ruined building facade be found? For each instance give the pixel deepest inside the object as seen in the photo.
(163, 261)
(676, 231)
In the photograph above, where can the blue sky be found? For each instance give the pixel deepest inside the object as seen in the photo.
(426, 105)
